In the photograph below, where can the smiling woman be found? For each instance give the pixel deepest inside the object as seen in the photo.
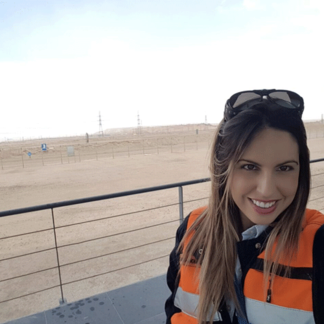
(254, 255)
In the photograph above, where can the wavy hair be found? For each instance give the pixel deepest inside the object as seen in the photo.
(219, 227)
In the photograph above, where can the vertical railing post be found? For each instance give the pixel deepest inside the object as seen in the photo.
(180, 204)
(62, 300)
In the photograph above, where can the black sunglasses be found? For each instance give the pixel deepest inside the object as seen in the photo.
(247, 99)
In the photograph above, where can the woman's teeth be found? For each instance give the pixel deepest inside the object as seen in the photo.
(262, 204)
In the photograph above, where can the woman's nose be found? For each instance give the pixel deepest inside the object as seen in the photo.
(266, 184)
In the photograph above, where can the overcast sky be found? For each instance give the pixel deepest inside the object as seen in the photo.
(171, 61)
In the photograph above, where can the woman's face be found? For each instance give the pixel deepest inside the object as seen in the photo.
(265, 180)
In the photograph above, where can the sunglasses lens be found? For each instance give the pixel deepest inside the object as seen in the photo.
(247, 99)
(285, 99)
(243, 98)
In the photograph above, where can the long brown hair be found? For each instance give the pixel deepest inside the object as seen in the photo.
(218, 229)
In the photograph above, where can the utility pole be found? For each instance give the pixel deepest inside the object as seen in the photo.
(138, 123)
(100, 126)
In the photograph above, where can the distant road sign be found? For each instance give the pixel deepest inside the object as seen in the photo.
(44, 147)
(29, 154)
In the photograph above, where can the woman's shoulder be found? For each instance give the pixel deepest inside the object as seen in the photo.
(313, 217)
(313, 221)
(194, 215)
(188, 221)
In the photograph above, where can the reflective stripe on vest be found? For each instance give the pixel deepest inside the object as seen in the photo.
(265, 313)
(291, 298)
(187, 295)
(188, 303)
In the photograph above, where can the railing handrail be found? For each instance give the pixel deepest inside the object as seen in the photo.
(101, 197)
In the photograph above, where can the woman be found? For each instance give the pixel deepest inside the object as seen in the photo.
(255, 254)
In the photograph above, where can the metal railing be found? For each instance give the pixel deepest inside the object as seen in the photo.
(58, 246)
(59, 265)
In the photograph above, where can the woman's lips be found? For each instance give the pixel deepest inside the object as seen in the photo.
(264, 211)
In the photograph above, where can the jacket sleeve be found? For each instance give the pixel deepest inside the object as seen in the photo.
(173, 272)
(318, 276)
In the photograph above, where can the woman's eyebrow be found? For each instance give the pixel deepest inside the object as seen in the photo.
(289, 161)
(253, 162)
(249, 161)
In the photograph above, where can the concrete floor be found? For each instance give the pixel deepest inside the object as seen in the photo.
(140, 303)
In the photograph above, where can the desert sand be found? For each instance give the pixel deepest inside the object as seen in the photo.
(128, 238)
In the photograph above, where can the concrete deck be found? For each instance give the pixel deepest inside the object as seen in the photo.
(140, 303)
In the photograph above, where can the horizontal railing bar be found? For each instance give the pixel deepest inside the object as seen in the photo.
(22, 255)
(119, 215)
(96, 257)
(102, 218)
(28, 274)
(192, 200)
(97, 198)
(115, 252)
(33, 293)
(97, 238)
(103, 273)
(112, 235)
(316, 160)
(315, 199)
(22, 234)
(317, 187)
(317, 174)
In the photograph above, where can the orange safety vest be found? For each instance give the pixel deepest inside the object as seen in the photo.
(187, 295)
(291, 298)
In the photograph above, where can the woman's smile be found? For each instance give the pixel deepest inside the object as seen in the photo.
(263, 204)
(264, 207)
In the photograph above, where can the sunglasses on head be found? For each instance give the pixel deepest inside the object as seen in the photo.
(247, 99)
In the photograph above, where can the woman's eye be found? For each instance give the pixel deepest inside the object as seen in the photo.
(285, 168)
(249, 167)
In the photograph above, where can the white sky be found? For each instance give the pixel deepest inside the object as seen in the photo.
(173, 61)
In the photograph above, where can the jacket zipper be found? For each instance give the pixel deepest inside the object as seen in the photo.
(269, 288)
(269, 293)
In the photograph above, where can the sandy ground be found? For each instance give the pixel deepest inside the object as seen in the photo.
(128, 238)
